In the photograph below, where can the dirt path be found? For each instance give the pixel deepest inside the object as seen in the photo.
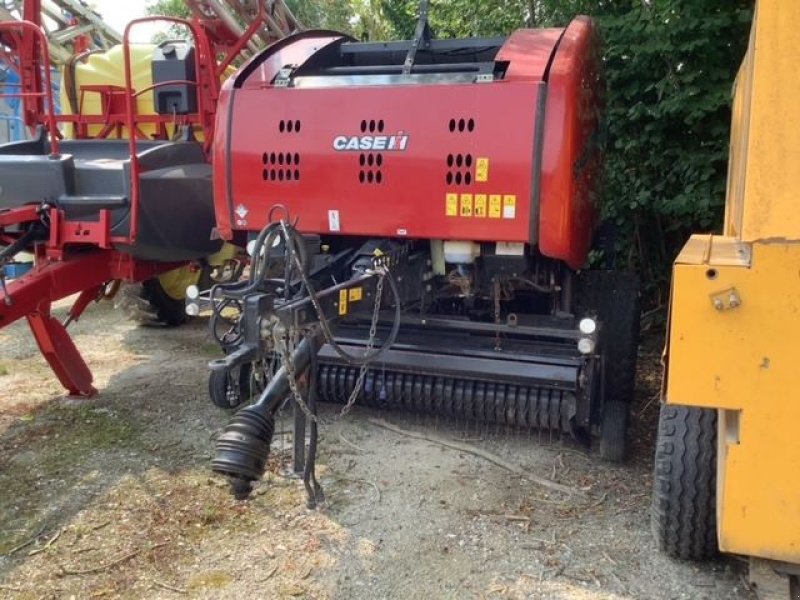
(112, 497)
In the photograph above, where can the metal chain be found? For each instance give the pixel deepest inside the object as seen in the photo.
(373, 331)
(291, 375)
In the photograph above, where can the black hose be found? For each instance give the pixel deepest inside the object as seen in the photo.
(290, 234)
(19, 244)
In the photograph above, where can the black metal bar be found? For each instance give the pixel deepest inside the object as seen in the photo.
(451, 46)
(299, 441)
(422, 36)
(462, 67)
(278, 386)
(500, 369)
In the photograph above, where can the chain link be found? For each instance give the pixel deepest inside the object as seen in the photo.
(291, 374)
(373, 331)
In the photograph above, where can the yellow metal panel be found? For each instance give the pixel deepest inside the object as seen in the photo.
(770, 129)
(746, 360)
(740, 129)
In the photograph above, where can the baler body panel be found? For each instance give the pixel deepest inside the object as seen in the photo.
(431, 156)
(401, 188)
(572, 151)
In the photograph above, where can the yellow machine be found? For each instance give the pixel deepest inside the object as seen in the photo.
(728, 453)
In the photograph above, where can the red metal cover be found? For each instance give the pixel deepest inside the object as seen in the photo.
(384, 162)
(430, 161)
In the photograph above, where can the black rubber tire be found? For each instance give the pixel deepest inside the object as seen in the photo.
(230, 389)
(684, 511)
(614, 431)
(614, 296)
(168, 310)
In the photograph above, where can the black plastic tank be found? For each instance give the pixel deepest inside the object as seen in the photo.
(174, 61)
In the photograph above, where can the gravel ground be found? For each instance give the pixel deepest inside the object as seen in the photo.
(112, 496)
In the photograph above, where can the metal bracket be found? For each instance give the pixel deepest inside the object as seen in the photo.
(422, 37)
(726, 299)
(284, 77)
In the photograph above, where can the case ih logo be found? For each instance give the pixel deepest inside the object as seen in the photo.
(361, 143)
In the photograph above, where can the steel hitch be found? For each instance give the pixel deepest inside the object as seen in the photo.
(242, 449)
(290, 319)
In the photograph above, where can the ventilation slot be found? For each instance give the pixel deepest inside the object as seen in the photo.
(281, 166)
(289, 126)
(459, 169)
(373, 126)
(371, 168)
(461, 125)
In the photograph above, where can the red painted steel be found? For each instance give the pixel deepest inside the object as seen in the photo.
(60, 351)
(77, 256)
(571, 166)
(30, 43)
(394, 192)
(430, 186)
(292, 50)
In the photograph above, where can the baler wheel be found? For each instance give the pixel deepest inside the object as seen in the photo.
(614, 297)
(613, 433)
(684, 517)
(230, 388)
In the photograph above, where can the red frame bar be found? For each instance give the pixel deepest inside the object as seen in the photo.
(44, 56)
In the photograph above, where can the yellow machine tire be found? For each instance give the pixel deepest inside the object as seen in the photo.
(684, 517)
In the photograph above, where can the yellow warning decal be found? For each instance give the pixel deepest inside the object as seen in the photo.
(495, 206)
(482, 170)
(466, 205)
(480, 205)
(451, 205)
(356, 294)
(342, 302)
(509, 207)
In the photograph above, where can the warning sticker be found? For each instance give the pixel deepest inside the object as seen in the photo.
(451, 205)
(480, 205)
(333, 220)
(482, 170)
(495, 206)
(342, 302)
(356, 294)
(510, 207)
(466, 205)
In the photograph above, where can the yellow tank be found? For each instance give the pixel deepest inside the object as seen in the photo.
(107, 68)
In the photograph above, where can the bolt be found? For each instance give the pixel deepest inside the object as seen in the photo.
(718, 304)
(734, 301)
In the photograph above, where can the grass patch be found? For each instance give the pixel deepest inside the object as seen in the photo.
(3, 370)
(44, 456)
